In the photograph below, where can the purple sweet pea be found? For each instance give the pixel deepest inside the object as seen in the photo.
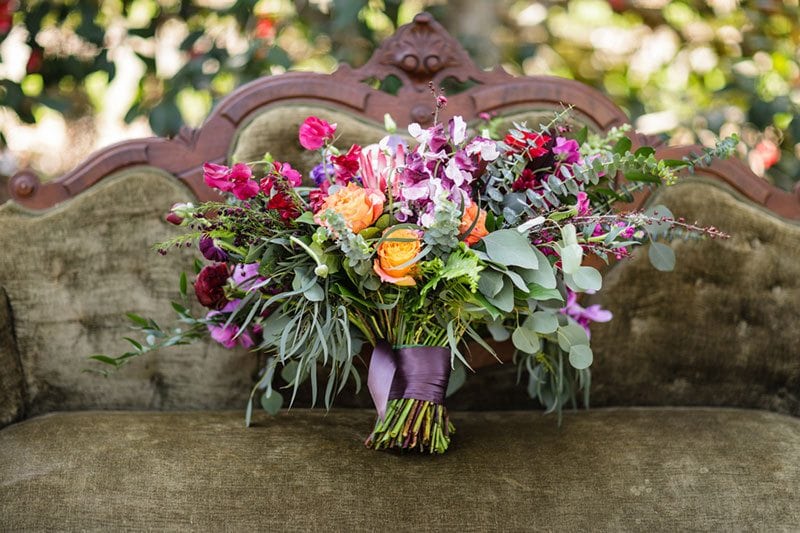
(246, 276)
(321, 172)
(585, 315)
(211, 251)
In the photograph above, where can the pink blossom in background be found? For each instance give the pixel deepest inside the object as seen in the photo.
(315, 132)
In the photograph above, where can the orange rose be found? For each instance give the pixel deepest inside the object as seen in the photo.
(479, 230)
(359, 207)
(393, 254)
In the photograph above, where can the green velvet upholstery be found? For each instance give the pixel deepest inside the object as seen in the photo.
(72, 272)
(604, 470)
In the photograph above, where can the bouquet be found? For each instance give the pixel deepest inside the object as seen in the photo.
(414, 246)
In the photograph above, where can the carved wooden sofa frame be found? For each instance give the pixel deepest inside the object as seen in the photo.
(616, 469)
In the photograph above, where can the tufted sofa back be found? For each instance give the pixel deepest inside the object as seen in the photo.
(720, 330)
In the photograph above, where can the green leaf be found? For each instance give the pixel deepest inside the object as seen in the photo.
(525, 340)
(183, 284)
(289, 372)
(569, 234)
(662, 257)
(104, 359)
(490, 283)
(136, 319)
(272, 401)
(544, 322)
(588, 278)
(457, 378)
(511, 248)
(635, 175)
(571, 256)
(571, 335)
(504, 300)
(644, 151)
(580, 356)
(315, 294)
(498, 331)
(622, 146)
(307, 217)
(582, 135)
(537, 292)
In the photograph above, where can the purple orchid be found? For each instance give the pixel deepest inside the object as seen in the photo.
(246, 276)
(585, 315)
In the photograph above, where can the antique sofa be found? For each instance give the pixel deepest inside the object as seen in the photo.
(696, 381)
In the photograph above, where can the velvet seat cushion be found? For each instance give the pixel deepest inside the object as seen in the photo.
(606, 469)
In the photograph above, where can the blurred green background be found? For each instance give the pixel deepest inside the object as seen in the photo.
(79, 75)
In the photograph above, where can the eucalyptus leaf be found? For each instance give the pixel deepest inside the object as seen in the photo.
(271, 401)
(498, 331)
(580, 356)
(490, 282)
(662, 257)
(525, 340)
(509, 247)
(571, 335)
(571, 256)
(544, 322)
(588, 278)
(504, 300)
(569, 234)
(315, 294)
(457, 378)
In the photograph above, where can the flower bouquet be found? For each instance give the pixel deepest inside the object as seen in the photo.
(415, 245)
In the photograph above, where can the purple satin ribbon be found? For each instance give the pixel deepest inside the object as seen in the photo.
(418, 372)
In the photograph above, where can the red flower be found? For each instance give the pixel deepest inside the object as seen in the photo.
(34, 61)
(317, 199)
(769, 153)
(265, 27)
(533, 144)
(6, 15)
(209, 286)
(347, 165)
(527, 180)
(315, 132)
(284, 204)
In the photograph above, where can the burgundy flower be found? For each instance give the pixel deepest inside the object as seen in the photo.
(285, 206)
(315, 132)
(209, 285)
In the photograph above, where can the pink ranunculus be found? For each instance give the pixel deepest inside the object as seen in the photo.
(217, 176)
(584, 205)
(243, 186)
(315, 132)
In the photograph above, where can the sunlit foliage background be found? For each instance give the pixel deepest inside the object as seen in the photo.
(78, 75)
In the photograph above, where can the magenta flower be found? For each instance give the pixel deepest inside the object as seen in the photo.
(585, 315)
(217, 176)
(567, 150)
(225, 335)
(242, 184)
(584, 206)
(315, 132)
(293, 177)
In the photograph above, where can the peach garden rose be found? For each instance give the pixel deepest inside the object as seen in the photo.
(479, 229)
(393, 255)
(359, 207)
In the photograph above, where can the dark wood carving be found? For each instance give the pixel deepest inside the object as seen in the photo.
(418, 53)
